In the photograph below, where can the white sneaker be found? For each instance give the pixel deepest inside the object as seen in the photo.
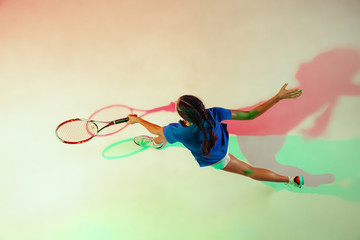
(297, 181)
(146, 141)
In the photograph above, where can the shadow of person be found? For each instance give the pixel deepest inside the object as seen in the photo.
(323, 80)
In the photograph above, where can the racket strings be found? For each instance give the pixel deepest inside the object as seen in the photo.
(77, 131)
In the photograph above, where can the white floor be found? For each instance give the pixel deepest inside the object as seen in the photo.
(65, 59)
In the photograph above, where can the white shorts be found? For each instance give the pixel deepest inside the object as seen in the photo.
(222, 163)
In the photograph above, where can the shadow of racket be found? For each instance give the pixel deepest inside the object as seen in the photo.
(127, 147)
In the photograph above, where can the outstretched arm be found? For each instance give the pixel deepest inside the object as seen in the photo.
(153, 128)
(257, 111)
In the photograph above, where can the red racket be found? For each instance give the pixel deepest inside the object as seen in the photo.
(77, 130)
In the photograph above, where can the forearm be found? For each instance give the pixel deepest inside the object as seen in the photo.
(257, 111)
(153, 128)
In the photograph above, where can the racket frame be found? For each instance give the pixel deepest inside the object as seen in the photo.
(111, 123)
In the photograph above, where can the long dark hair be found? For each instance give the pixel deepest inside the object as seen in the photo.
(192, 110)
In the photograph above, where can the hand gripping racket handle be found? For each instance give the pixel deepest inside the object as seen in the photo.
(121, 120)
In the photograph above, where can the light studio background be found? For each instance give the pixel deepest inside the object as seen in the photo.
(101, 59)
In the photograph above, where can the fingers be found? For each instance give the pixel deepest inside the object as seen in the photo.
(294, 94)
(284, 86)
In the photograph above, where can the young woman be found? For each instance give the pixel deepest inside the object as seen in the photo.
(202, 132)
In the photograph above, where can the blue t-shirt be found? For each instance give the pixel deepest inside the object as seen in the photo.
(192, 137)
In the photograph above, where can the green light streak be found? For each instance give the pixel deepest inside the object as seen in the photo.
(122, 149)
(253, 114)
(319, 156)
(127, 148)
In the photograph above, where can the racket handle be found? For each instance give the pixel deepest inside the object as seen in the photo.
(121, 120)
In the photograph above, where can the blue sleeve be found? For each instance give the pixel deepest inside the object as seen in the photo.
(220, 114)
(170, 132)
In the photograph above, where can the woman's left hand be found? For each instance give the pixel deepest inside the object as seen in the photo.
(284, 94)
(133, 118)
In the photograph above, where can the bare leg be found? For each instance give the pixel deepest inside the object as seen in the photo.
(260, 174)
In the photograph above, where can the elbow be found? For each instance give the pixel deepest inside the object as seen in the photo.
(159, 131)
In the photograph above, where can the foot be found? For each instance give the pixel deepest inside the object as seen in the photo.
(146, 141)
(297, 181)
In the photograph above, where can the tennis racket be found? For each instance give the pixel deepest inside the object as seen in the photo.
(112, 111)
(78, 130)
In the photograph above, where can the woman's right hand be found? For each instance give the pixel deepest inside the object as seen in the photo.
(133, 118)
